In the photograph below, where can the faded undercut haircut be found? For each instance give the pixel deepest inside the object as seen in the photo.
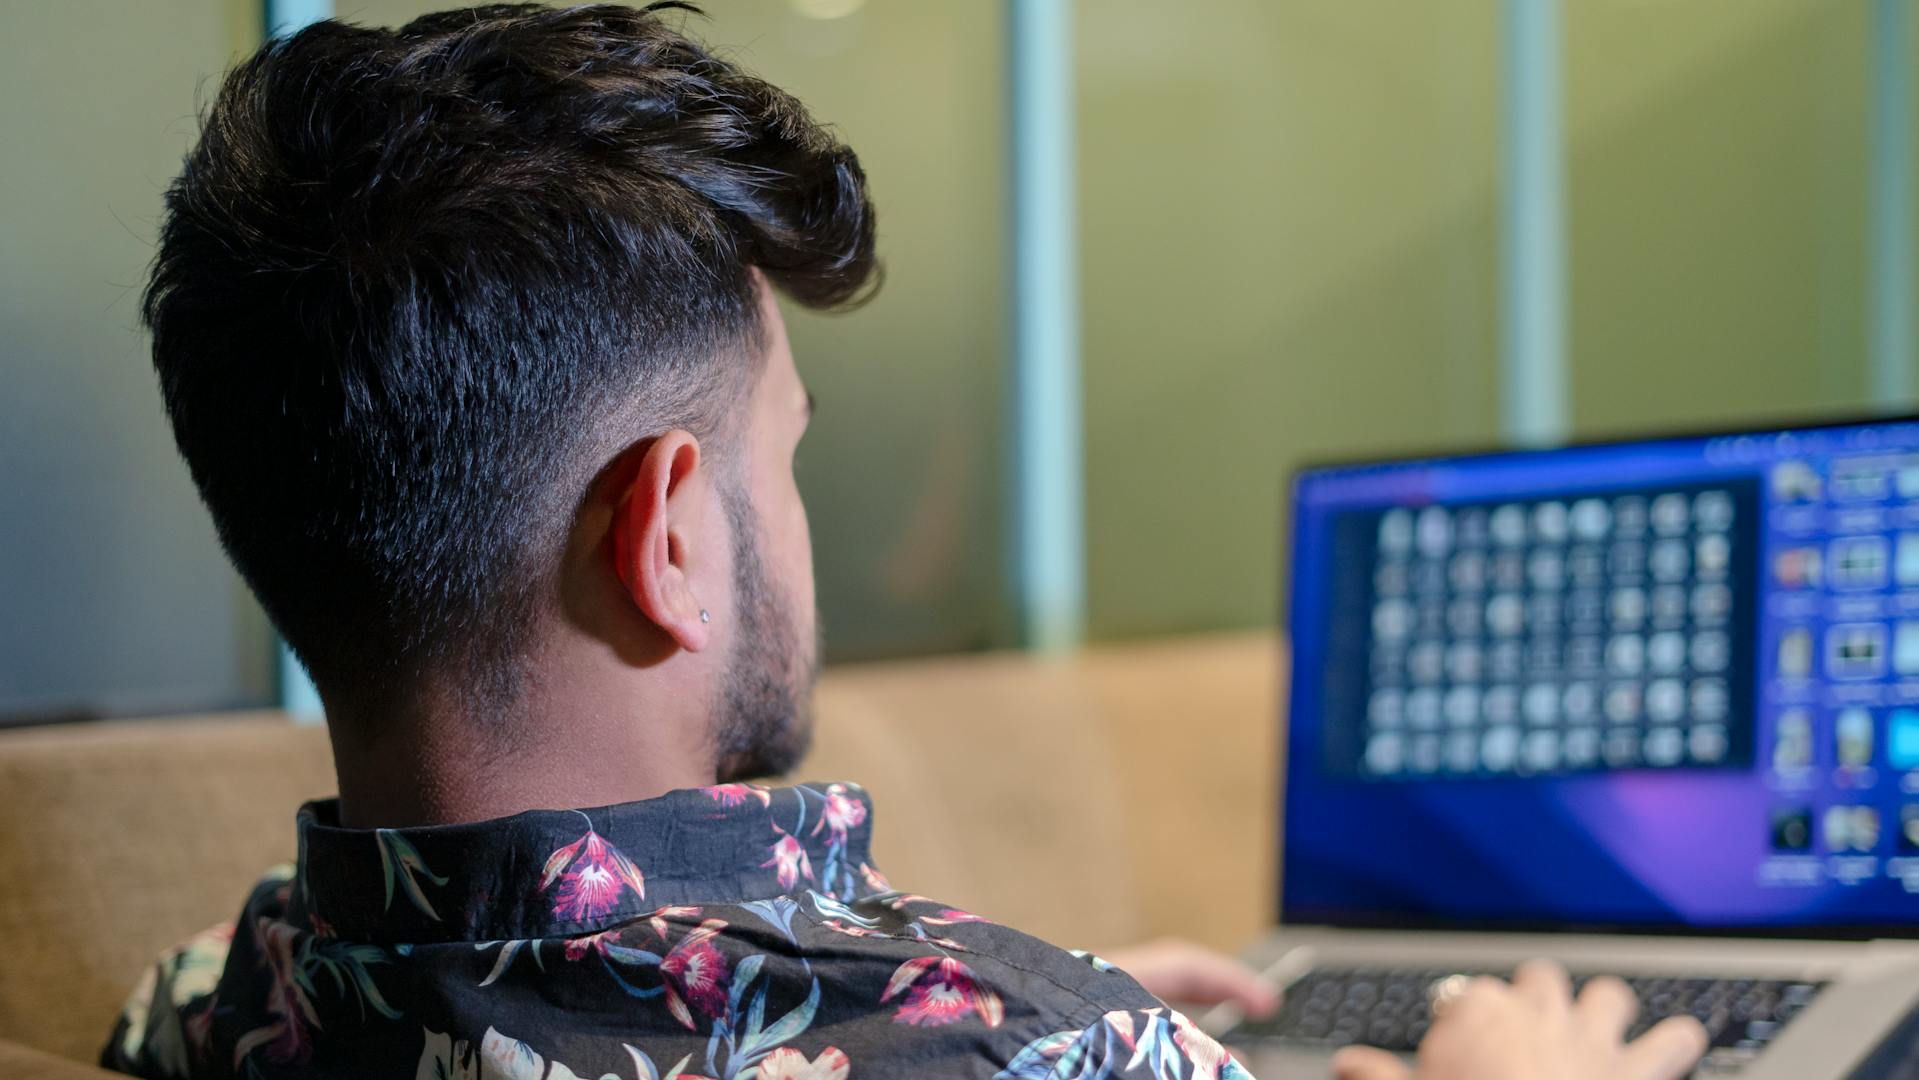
(415, 285)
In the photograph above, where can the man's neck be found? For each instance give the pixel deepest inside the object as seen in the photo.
(438, 768)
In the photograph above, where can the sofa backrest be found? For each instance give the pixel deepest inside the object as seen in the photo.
(122, 838)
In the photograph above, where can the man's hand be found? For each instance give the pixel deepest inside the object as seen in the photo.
(1535, 1030)
(1181, 972)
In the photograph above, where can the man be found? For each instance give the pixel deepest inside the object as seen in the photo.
(468, 336)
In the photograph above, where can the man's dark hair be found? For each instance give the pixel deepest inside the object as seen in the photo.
(415, 286)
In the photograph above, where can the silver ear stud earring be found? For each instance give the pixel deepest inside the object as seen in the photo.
(704, 617)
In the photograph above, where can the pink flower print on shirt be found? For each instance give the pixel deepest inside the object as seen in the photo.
(942, 991)
(839, 927)
(580, 946)
(696, 974)
(841, 813)
(659, 919)
(596, 875)
(789, 856)
(730, 796)
(950, 916)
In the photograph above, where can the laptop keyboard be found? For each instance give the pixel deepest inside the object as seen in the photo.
(1389, 1008)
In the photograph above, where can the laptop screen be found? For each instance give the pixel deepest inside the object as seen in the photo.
(1662, 684)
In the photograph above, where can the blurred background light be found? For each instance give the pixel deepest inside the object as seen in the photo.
(827, 9)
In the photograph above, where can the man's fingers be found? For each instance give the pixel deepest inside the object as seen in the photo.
(1366, 1063)
(1484, 991)
(1666, 1052)
(1209, 977)
(1608, 1006)
(1181, 971)
(1202, 976)
(1544, 985)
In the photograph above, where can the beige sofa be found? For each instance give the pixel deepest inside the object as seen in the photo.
(1119, 794)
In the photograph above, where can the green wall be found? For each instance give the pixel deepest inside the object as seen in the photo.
(1289, 254)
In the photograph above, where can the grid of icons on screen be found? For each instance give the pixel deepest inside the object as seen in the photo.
(1553, 636)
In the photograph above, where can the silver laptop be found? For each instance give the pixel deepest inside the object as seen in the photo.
(1650, 708)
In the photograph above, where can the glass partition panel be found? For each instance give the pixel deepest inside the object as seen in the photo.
(1289, 233)
(114, 595)
(1717, 211)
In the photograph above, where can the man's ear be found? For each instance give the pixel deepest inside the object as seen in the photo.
(660, 536)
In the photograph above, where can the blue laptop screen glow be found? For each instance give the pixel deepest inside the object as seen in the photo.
(1663, 684)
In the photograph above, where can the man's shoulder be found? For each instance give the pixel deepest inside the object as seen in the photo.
(1005, 961)
(913, 983)
(910, 941)
(1056, 1011)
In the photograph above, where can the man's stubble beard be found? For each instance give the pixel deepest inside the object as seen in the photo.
(764, 724)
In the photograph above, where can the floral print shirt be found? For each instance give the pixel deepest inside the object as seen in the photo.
(735, 932)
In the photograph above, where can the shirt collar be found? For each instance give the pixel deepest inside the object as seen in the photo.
(559, 873)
